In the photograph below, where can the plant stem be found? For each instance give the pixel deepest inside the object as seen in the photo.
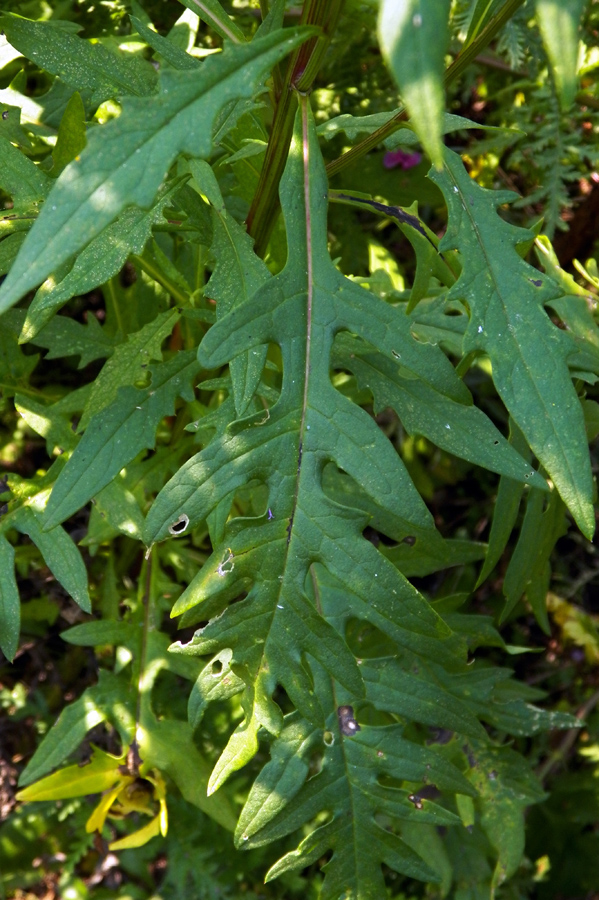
(141, 687)
(179, 296)
(463, 59)
(301, 71)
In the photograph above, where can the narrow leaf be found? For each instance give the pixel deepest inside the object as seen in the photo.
(10, 605)
(211, 12)
(528, 353)
(169, 51)
(128, 365)
(118, 433)
(461, 429)
(60, 555)
(506, 509)
(71, 138)
(413, 35)
(559, 22)
(125, 160)
(72, 725)
(79, 62)
(103, 258)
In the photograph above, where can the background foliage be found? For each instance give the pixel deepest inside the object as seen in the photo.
(260, 365)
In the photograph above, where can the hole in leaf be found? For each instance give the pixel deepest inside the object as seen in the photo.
(366, 641)
(250, 501)
(315, 764)
(179, 525)
(282, 700)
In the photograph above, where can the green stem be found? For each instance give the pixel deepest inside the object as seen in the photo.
(146, 600)
(111, 300)
(301, 70)
(466, 55)
(29, 391)
(179, 296)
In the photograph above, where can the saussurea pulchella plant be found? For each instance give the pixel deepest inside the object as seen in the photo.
(389, 740)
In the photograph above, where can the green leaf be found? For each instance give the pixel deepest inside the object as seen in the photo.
(238, 273)
(49, 422)
(211, 12)
(20, 177)
(529, 566)
(528, 352)
(15, 366)
(125, 160)
(10, 126)
(463, 430)
(559, 22)
(59, 552)
(103, 258)
(9, 248)
(119, 508)
(504, 797)
(216, 681)
(416, 697)
(480, 17)
(71, 138)
(10, 607)
(175, 56)
(271, 558)
(128, 364)
(354, 126)
(64, 737)
(118, 433)
(64, 337)
(506, 510)
(357, 764)
(79, 62)
(92, 634)
(413, 35)
(420, 560)
(169, 747)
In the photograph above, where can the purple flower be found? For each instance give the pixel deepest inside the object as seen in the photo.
(400, 158)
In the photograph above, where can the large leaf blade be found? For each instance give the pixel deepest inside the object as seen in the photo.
(125, 161)
(272, 564)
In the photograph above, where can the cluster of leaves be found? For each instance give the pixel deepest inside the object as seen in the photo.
(255, 426)
(550, 151)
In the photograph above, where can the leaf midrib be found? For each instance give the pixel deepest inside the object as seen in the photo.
(491, 270)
